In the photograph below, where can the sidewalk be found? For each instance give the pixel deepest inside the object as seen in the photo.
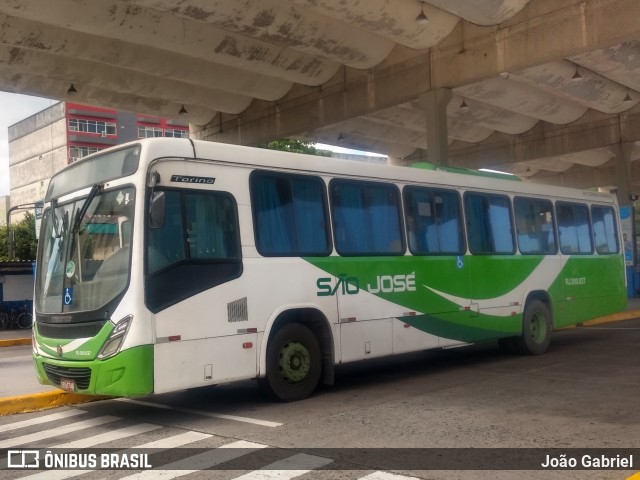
(20, 391)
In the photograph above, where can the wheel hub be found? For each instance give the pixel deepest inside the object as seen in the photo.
(294, 362)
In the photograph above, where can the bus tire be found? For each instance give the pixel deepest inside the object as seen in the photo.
(536, 329)
(25, 320)
(293, 363)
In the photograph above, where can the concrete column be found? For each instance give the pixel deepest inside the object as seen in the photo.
(622, 152)
(435, 104)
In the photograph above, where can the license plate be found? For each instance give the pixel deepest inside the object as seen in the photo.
(68, 384)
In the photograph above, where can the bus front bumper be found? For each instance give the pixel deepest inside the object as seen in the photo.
(126, 374)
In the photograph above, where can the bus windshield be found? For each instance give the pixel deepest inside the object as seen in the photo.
(84, 252)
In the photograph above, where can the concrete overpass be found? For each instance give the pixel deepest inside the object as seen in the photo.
(546, 89)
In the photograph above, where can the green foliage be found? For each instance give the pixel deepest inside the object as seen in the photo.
(295, 146)
(24, 234)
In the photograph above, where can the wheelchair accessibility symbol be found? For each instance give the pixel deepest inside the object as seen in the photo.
(460, 262)
(68, 296)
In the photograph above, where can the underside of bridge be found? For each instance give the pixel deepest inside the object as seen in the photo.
(546, 89)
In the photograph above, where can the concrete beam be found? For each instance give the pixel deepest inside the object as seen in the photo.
(594, 130)
(544, 31)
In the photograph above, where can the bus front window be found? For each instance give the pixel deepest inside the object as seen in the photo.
(84, 254)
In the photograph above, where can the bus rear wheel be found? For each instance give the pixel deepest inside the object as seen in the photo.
(536, 329)
(293, 363)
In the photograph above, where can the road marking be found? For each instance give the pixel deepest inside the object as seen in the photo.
(73, 427)
(199, 462)
(102, 438)
(176, 441)
(38, 420)
(287, 468)
(386, 476)
(109, 436)
(254, 421)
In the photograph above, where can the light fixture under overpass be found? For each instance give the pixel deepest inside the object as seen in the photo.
(422, 19)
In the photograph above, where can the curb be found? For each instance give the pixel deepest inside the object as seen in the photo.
(42, 401)
(616, 317)
(13, 342)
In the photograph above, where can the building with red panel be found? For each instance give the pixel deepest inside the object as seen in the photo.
(46, 142)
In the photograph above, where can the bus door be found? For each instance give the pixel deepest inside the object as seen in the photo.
(435, 235)
(367, 219)
(494, 268)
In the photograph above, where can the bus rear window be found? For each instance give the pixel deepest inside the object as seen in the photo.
(605, 231)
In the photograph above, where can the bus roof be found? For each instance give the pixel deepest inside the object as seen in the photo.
(157, 148)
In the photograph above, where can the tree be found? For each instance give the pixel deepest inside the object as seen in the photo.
(295, 146)
(25, 243)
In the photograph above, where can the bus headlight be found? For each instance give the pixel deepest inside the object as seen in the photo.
(114, 342)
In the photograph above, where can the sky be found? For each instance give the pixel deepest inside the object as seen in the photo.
(13, 108)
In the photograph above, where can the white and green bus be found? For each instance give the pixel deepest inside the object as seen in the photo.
(168, 264)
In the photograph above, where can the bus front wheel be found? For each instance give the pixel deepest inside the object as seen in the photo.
(293, 363)
(536, 329)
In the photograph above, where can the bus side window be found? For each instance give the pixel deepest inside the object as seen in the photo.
(574, 228)
(197, 247)
(489, 223)
(289, 214)
(166, 244)
(366, 218)
(534, 226)
(434, 224)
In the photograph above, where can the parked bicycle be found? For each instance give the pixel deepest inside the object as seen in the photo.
(11, 317)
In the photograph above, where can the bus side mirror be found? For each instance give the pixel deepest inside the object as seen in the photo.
(156, 210)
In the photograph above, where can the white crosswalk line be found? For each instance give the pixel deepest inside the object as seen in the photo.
(199, 462)
(287, 468)
(39, 420)
(109, 436)
(174, 441)
(43, 435)
(386, 476)
(236, 418)
(101, 438)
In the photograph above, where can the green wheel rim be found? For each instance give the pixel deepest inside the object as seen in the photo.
(538, 328)
(294, 362)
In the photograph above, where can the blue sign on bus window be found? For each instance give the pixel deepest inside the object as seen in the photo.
(68, 296)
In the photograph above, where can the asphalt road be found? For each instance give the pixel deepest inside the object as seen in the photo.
(582, 394)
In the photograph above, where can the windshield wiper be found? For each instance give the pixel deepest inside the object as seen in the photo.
(97, 188)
